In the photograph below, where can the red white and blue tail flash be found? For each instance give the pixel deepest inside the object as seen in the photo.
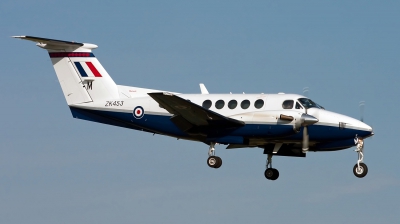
(87, 69)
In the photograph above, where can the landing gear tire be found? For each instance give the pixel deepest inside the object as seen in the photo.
(271, 174)
(360, 171)
(276, 174)
(214, 162)
(219, 162)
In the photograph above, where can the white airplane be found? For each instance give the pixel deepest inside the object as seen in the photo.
(281, 124)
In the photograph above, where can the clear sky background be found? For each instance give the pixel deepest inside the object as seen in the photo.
(56, 169)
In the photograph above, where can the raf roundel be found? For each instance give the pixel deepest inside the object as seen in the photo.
(138, 112)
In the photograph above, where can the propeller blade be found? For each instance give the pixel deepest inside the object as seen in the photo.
(362, 106)
(305, 139)
(305, 91)
(306, 120)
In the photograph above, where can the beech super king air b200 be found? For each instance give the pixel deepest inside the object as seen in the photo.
(281, 124)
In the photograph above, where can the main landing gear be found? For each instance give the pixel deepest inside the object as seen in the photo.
(360, 170)
(271, 173)
(213, 161)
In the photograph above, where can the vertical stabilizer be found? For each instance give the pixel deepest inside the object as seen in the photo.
(82, 78)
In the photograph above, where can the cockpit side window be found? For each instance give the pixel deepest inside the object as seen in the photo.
(307, 103)
(298, 106)
(287, 104)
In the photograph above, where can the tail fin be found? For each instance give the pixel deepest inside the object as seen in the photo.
(82, 78)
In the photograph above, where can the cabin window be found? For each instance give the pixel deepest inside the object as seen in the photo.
(232, 104)
(307, 103)
(287, 104)
(207, 104)
(259, 103)
(245, 104)
(219, 104)
(298, 106)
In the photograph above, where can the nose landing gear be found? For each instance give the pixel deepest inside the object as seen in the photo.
(271, 173)
(360, 170)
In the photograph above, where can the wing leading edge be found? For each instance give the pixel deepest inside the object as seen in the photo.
(192, 118)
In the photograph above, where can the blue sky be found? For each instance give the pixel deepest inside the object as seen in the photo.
(56, 169)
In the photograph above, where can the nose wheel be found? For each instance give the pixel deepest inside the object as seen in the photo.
(271, 173)
(213, 161)
(360, 170)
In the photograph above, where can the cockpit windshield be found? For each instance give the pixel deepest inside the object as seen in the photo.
(307, 103)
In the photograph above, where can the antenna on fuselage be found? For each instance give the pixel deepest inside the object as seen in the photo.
(203, 89)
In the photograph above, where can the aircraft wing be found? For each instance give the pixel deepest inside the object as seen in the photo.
(188, 115)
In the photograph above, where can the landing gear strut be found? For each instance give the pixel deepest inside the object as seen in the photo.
(271, 173)
(213, 161)
(360, 170)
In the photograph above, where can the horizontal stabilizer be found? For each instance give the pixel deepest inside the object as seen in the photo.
(53, 42)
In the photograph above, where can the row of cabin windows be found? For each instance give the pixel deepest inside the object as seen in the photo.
(233, 104)
(287, 104)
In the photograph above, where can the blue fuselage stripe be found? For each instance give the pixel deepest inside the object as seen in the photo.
(163, 125)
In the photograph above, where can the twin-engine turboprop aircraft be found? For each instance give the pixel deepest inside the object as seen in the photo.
(281, 124)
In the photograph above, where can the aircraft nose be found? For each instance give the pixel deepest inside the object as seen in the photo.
(369, 128)
(363, 127)
(345, 122)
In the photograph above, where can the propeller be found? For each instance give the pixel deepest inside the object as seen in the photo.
(362, 106)
(305, 139)
(305, 129)
(306, 120)
(305, 91)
